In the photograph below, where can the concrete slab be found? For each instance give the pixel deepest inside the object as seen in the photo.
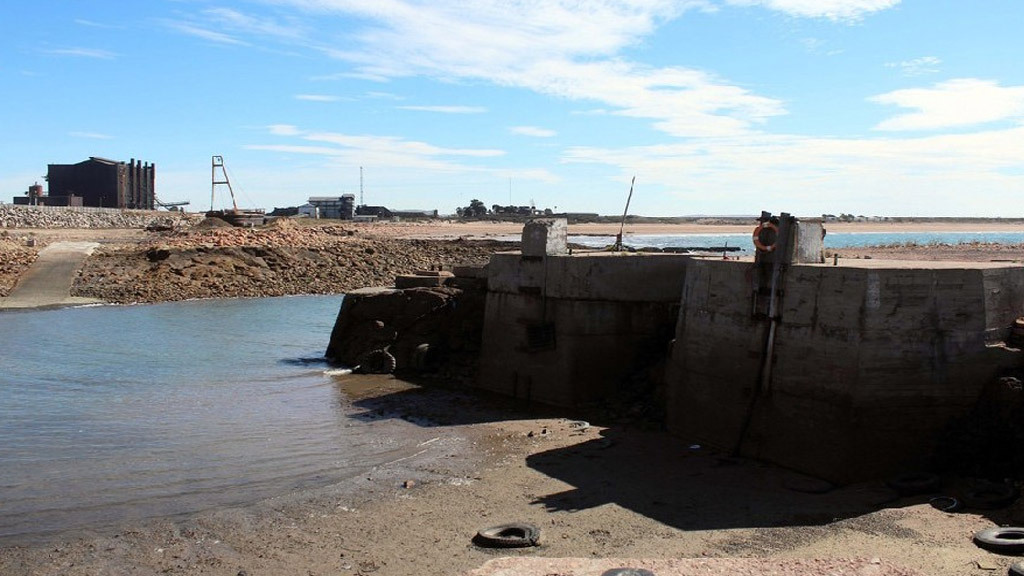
(511, 566)
(47, 283)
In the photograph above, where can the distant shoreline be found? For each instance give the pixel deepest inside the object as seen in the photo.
(484, 229)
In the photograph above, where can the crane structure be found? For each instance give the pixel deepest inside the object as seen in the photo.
(235, 216)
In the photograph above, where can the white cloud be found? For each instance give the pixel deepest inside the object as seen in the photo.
(917, 66)
(206, 33)
(393, 154)
(567, 49)
(954, 103)
(937, 175)
(94, 24)
(533, 131)
(446, 109)
(317, 97)
(90, 135)
(82, 53)
(836, 10)
(284, 130)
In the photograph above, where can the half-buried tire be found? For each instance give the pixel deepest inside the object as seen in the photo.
(377, 362)
(515, 535)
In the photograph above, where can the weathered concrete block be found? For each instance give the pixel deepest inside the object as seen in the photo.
(546, 237)
(869, 362)
(809, 242)
(420, 281)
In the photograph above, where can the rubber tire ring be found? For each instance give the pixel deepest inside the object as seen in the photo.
(514, 535)
(1017, 569)
(377, 362)
(1003, 540)
(951, 504)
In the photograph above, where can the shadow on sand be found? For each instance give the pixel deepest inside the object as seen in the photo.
(650, 472)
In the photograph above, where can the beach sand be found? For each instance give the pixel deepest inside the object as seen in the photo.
(610, 488)
(588, 486)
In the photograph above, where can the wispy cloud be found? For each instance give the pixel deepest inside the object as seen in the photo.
(835, 10)
(384, 96)
(90, 135)
(205, 33)
(917, 66)
(396, 153)
(317, 97)
(892, 175)
(93, 24)
(82, 53)
(446, 109)
(533, 131)
(284, 130)
(564, 49)
(955, 103)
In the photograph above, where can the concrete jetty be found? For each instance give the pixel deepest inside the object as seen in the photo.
(47, 283)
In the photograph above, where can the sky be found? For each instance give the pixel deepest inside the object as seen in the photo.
(715, 107)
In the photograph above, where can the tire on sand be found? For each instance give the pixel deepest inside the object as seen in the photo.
(514, 535)
(377, 362)
(1003, 540)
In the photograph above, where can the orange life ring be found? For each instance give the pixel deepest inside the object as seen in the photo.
(762, 247)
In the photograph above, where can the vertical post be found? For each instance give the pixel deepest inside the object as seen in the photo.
(151, 198)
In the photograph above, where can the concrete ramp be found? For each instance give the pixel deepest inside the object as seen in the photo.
(47, 283)
(690, 567)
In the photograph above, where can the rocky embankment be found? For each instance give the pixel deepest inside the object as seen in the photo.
(15, 258)
(283, 258)
(12, 216)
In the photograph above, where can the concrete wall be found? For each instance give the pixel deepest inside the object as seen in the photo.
(566, 330)
(870, 362)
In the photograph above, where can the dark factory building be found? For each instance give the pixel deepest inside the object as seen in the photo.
(102, 183)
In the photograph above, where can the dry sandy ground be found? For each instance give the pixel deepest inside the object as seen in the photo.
(610, 489)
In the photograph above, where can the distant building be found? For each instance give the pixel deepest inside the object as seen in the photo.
(334, 207)
(414, 214)
(101, 183)
(380, 212)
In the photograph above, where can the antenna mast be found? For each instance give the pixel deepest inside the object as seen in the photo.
(618, 237)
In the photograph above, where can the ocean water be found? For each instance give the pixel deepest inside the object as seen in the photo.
(119, 413)
(832, 240)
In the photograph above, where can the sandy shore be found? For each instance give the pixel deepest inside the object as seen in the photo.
(591, 489)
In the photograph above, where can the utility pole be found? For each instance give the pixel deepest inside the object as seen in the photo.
(362, 201)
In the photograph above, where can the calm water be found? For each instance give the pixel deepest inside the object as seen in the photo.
(832, 240)
(120, 413)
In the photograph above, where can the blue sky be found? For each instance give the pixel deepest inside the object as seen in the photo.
(717, 107)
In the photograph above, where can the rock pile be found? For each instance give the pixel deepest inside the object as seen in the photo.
(15, 258)
(15, 216)
(214, 262)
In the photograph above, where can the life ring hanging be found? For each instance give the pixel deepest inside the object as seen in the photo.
(762, 246)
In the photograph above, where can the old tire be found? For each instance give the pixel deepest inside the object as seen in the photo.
(945, 504)
(377, 362)
(1017, 569)
(991, 496)
(1004, 540)
(514, 535)
(915, 483)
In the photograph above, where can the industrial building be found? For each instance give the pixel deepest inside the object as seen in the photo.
(333, 207)
(98, 182)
